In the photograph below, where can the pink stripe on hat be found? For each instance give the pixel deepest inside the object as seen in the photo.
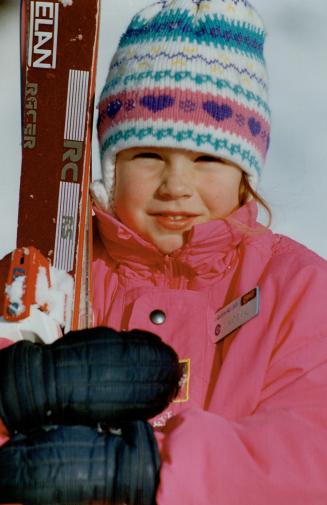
(194, 108)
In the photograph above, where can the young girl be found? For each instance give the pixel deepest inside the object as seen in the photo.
(184, 127)
(184, 130)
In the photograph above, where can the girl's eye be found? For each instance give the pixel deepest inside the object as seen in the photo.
(207, 158)
(147, 155)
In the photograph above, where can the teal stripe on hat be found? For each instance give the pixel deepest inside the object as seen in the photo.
(180, 25)
(181, 76)
(180, 136)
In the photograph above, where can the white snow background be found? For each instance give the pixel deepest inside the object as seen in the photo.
(295, 178)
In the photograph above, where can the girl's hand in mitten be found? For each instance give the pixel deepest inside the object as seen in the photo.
(87, 377)
(71, 465)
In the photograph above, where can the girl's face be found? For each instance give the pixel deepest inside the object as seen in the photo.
(161, 193)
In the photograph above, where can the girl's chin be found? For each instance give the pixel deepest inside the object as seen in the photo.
(169, 243)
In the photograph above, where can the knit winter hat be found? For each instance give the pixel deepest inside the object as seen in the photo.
(187, 74)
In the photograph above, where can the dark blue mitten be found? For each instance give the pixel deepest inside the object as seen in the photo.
(90, 376)
(76, 465)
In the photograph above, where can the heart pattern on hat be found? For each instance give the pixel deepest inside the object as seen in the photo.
(156, 103)
(219, 112)
(113, 108)
(255, 126)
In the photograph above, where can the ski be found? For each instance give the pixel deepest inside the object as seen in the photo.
(59, 41)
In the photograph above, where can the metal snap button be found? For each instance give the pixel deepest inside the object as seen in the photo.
(157, 317)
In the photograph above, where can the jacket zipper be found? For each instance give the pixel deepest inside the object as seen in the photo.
(172, 268)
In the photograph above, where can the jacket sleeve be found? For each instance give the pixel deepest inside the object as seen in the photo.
(278, 453)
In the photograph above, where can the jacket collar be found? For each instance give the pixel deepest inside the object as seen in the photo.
(210, 247)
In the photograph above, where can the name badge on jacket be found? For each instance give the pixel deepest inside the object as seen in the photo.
(236, 313)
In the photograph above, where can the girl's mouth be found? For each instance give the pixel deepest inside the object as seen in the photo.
(175, 221)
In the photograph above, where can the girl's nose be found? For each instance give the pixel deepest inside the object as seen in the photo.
(175, 183)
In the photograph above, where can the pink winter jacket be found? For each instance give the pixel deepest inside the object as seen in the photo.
(250, 425)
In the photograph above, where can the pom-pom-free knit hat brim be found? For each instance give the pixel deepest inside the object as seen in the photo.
(187, 74)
